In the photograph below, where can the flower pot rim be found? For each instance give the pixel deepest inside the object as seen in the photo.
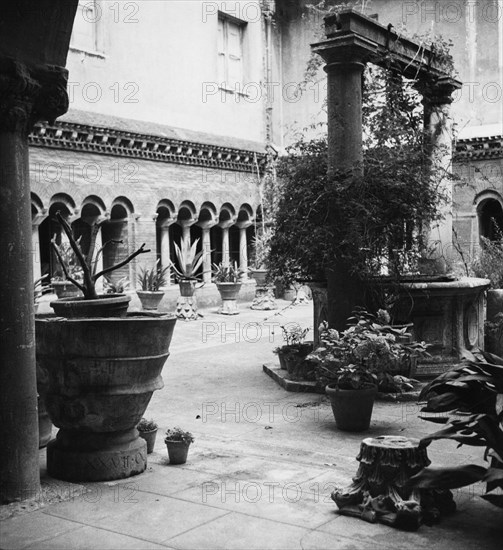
(150, 292)
(144, 316)
(147, 431)
(177, 442)
(333, 387)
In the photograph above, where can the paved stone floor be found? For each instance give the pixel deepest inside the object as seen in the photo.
(260, 472)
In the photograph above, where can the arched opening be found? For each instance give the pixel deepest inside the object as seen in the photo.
(490, 214)
(50, 228)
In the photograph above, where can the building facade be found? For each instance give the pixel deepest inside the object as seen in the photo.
(177, 108)
(162, 138)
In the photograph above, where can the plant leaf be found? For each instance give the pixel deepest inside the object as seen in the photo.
(447, 478)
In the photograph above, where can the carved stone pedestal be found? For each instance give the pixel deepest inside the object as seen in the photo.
(186, 308)
(380, 491)
(264, 298)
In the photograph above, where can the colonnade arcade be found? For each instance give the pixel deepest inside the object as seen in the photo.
(224, 234)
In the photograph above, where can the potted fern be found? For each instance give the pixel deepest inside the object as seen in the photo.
(151, 280)
(102, 366)
(178, 443)
(228, 281)
(147, 430)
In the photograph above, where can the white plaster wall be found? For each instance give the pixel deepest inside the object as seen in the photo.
(159, 56)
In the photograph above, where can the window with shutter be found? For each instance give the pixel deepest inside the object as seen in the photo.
(230, 52)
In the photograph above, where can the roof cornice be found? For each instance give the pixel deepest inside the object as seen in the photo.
(86, 138)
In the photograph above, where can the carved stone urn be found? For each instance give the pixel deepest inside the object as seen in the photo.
(101, 374)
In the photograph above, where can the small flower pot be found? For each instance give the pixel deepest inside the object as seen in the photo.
(149, 437)
(177, 451)
(150, 300)
(292, 359)
(352, 408)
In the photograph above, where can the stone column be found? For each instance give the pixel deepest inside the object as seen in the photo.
(206, 255)
(344, 102)
(165, 249)
(35, 237)
(225, 246)
(243, 248)
(27, 93)
(437, 99)
(344, 70)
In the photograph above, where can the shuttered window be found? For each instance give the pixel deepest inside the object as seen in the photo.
(230, 52)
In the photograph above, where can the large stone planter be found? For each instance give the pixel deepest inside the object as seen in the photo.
(229, 294)
(101, 375)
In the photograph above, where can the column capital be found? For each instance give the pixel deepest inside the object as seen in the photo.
(438, 91)
(29, 94)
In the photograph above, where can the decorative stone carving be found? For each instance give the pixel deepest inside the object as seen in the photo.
(264, 298)
(30, 94)
(380, 491)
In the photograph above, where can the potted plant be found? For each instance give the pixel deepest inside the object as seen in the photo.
(115, 287)
(292, 355)
(189, 261)
(352, 365)
(151, 280)
(178, 443)
(467, 401)
(61, 281)
(228, 281)
(148, 431)
(101, 369)
(260, 247)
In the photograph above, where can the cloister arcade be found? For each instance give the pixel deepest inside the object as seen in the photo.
(224, 233)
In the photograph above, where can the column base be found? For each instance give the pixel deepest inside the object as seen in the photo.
(125, 459)
(264, 298)
(379, 492)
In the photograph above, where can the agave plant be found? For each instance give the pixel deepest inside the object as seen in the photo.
(152, 279)
(189, 259)
(88, 263)
(468, 399)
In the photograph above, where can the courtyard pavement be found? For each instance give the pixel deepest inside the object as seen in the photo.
(260, 472)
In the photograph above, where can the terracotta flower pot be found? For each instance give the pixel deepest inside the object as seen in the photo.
(259, 275)
(107, 305)
(229, 293)
(352, 408)
(101, 375)
(187, 287)
(149, 437)
(177, 451)
(150, 300)
(292, 359)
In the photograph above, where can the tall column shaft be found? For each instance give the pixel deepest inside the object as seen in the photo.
(344, 104)
(35, 239)
(243, 254)
(206, 255)
(225, 246)
(19, 469)
(165, 248)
